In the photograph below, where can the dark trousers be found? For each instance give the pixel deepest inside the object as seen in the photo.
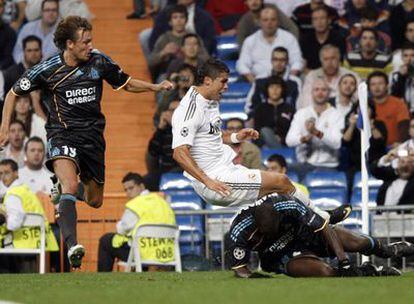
(18, 264)
(107, 253)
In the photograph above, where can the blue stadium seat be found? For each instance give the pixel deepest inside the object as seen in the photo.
(227, 47)
(373, 183)
(293, 176)
(237, 90)
(288, 153)
(234, 76)
(328, 198)
(186, 202)
(232, 110)
(325, 179)
(214, 207)
(191, 241)
(174, 181)
(356, 198)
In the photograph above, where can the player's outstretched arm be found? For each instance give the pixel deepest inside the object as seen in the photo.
(138, 86)
(242, 135)
(183, 157)
(8, 107)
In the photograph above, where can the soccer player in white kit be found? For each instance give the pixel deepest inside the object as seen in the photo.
(202, 150)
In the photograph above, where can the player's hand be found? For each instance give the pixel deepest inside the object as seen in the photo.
(347, 270)
(164, 86)
(247, 133)
(218, 187)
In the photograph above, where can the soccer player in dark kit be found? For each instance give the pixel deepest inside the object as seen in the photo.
(71, 83)
(290, 238)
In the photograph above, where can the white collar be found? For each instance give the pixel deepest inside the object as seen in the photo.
(144, 192)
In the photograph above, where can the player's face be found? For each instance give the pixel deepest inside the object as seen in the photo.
(268, 21)
(32, 53)
(330, 61)
(7, 175)
(409, 32)
(35, 154)
(320, 21)
(132, 189)
(177, 22)
(50, 13)
(191, 47)
(218, 86)
(22, 105)
(273, 166)
(378, 87)
(16, 136)
(320, 92)
(347, 86)
(279, 62)
(82, 48)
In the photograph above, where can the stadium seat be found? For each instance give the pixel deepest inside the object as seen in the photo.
(154, 231)
(293, 176)
(232, 110)
(191, 241)
(185, 201)
(234, 76)
(288, 153)
(227, 47)
(356, 198)
(325, 179)
(373, 183)
(175, 183)
(237, 90)
(328, 198)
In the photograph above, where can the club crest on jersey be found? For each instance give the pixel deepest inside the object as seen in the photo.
(55, 152)
(239, 253)
(94, 74)
(215, 127)
(184, 132)
(25, 84)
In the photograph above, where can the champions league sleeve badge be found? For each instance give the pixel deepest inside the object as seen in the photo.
(25, 84)
(184, 132)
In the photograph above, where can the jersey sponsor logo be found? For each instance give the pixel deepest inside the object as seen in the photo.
(282, 241)
(215, 127)
(25, 84)
(184, 132)
(81, 95)
(239, 253)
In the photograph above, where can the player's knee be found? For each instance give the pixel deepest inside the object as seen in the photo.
(70, 186)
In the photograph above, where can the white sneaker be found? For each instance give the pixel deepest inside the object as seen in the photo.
(75, 255)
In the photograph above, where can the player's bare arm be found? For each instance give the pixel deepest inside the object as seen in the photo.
(8, 108)
(242, 135)
(183, 157)
(138, 86)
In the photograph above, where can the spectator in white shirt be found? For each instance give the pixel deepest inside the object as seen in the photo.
(316, 132)
(331, 71)
(34, 174)
(43, 28)
(15, 148)
(256, 52)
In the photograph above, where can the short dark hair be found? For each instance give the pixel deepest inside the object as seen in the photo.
(68, 30)
(9, 162)
(31, 38)
(211, 68)
(186, 66)
(407, 45)
(321, 8)
(377, 74)
(281, 49)
(277, 80)
(190, 35)
(44, 2)
(369, 13)
(16, 121)
(235, 119)
(368, 29)
(178, 9)
(277, 158)
(135, 177)
(35, 139)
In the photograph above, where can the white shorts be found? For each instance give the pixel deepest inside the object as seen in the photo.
(245, 186)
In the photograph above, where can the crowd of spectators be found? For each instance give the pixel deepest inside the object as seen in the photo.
(303, 61)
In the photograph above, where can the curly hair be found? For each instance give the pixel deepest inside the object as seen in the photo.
(68, 30)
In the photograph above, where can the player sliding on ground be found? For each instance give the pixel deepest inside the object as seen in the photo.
(202, 149)
(71, 83)
(290, 238)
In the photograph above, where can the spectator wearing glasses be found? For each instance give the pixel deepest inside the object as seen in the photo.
(44, 28)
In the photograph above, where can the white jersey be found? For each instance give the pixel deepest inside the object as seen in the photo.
(196, 122)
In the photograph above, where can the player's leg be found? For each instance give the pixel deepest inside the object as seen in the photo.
(309, 266)
(368, 245)
(93, 195)
(66, 215)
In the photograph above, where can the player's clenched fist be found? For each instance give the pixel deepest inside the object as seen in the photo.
(218, 187)
(165, 86)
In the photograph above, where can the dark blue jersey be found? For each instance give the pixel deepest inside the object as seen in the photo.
(72, 95)
(297, 224)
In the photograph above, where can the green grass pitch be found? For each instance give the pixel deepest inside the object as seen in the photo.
(201, 287)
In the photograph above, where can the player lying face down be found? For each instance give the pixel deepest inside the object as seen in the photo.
(290, 238)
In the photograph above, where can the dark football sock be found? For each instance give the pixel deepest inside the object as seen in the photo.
(376, 247)
(66, 218)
